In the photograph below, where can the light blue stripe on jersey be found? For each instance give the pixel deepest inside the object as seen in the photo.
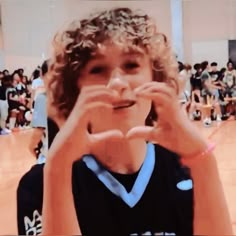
(145, 173)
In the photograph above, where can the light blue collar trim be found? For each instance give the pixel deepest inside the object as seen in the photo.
(145, 173)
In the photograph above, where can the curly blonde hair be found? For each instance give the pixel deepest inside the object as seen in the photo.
(73, 48)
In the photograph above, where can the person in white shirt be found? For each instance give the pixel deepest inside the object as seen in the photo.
(39, 117)
(37, 85)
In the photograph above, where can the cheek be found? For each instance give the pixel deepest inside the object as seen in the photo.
(91, 82)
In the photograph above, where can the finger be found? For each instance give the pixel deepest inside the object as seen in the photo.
(99, 139)
(142, 132)
(157, 87)
(155, 135)
(91, 88)
(164, 106)
(157, 98)
(147, 85)
(105, 96)
(95, 88)
(83, 113)
(99, 96)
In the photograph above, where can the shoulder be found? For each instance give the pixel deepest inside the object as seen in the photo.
(205, 75)
(34, 82)
(10, 90)
(32, 180)
(80, 171)
(169, 163)
(37, 82)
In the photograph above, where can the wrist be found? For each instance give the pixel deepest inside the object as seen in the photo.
(58, 164)
(198, 156)
(192, 138)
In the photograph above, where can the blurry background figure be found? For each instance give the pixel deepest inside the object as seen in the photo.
(6, 72)
(196, 87)
(17, 103)
(184, 85)
(210, 94)
(229, 93)
(38, 144)
(5, 84)
(37, 85)
(184, 80)
(1, 77)
(229, 80)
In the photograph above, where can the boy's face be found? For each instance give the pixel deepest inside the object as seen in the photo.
(230, 66)
(122, 71)
(199, 70)
(214, 68)
(16, 78)
(15, 82)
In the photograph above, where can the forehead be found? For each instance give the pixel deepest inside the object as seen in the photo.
(112, 50)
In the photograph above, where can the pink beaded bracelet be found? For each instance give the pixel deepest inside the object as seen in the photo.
(191, 160)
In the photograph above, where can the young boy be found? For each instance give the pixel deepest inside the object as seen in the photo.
(210, 94)
(104, 175)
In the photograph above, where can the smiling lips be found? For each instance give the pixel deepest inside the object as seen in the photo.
(123, 104)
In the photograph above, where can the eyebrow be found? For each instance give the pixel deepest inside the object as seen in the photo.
(97, 56)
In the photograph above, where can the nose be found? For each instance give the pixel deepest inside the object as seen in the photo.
(118, 83)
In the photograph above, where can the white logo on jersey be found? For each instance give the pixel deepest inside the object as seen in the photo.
(185, 185)
(33, 227)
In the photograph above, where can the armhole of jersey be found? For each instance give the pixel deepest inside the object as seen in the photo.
(30, 201)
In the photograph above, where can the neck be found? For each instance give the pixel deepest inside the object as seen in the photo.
(122, 157)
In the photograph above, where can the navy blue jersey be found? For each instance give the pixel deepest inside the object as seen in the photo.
(3, 90)
(196, 81)
(157, 200)
(12, 103)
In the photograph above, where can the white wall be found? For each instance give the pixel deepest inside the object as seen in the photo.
(29, 25)
(159, 9)
(2, 61)
(27, 30)
(211, 51)
(208, 21)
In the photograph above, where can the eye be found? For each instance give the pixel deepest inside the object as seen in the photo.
(131, 65)
(97, 70)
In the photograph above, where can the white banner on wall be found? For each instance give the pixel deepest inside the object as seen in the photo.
(210, 51)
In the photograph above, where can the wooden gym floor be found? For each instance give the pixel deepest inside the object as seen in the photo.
(15, 160)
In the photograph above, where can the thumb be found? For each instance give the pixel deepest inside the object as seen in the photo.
(155, 135)
(142, 132)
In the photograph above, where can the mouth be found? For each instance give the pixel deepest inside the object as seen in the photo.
(123, 104)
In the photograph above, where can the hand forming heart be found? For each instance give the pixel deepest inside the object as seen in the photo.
(172, 131)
